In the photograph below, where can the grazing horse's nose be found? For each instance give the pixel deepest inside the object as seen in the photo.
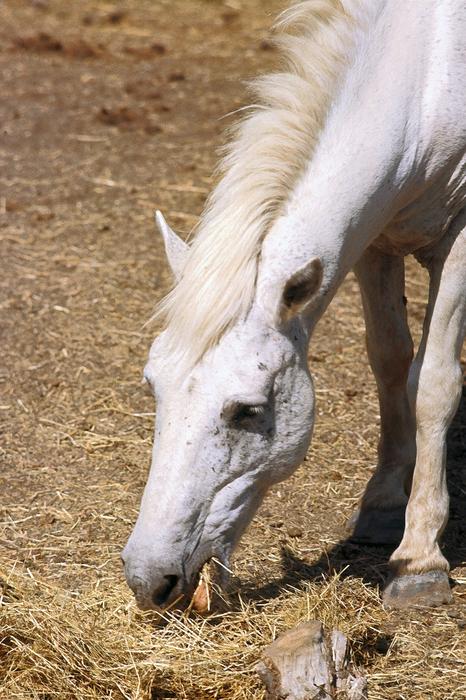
(162, 593)
(153, 586)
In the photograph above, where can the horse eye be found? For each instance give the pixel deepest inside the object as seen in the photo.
(245, 411)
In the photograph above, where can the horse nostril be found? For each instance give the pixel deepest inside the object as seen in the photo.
(162, 593)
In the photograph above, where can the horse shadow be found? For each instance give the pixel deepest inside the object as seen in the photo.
(368, 562)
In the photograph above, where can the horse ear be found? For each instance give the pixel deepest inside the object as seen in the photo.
(176, 249)
(300, 289)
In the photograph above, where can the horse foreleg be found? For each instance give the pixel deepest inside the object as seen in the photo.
(380, 518)
(419, 567)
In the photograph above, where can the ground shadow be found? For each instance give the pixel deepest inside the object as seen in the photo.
(371, 563)
(455, 533)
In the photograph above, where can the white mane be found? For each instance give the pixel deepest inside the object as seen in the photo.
(270, 151)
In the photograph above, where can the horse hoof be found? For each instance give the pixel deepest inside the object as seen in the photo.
(377, 526)
(418, 590)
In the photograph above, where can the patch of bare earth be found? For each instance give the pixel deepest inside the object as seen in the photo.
(108, 110)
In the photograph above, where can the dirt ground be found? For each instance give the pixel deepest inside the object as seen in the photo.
(109, 110)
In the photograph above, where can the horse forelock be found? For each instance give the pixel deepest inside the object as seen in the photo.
(262, 164)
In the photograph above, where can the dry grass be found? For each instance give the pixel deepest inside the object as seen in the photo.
(89, 645)
(83, 273)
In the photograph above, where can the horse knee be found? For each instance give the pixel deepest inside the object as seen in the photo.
(391, 360)
(438, 389)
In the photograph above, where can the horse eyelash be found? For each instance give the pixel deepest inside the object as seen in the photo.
(245, 411)
(256, 409)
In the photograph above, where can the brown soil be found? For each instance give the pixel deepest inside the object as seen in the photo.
(110, 109)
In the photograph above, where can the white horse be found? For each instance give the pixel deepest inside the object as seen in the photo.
(355, 159)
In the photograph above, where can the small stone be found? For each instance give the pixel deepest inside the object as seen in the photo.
(116, 16)
(117, 116)
(158, 48)
(294, 531)
(335, 476)
(455, 614)
(81, 49)
(230, 16)
(43, 214)
(152, 129)
(266, 45)
(351, 393)
(176, 76)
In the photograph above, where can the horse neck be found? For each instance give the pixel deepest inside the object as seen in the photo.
(361, 169)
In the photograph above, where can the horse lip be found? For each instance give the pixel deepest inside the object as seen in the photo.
(143, 605)
(221, 572)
